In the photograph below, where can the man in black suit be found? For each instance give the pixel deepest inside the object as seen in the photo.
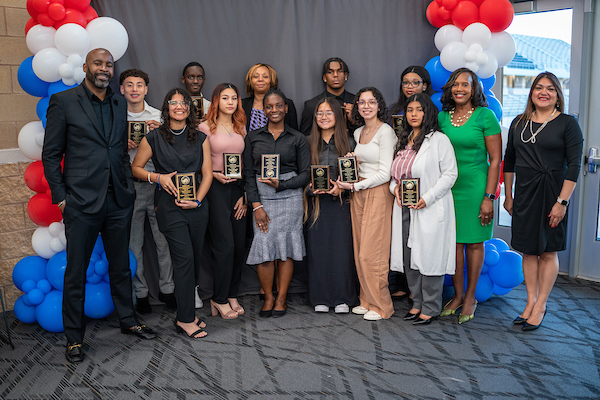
(335, 75)
(95, 192)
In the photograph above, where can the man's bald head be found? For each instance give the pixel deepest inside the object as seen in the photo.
(99, 68)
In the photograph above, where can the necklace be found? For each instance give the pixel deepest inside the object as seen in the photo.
(370, 131)
(460, 121)
(223, 125)
(180, 131)
(534, 134)
(275, 133)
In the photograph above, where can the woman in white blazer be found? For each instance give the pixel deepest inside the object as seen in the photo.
(424, 234)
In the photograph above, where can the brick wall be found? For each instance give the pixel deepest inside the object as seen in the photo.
(16, 109)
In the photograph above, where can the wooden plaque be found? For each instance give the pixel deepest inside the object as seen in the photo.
(199, 104)
(136, 131)
(319, 177)
(348, 167)
(269, 166)
(410, 191)
(186, 186)
(397, 124)
(232, 165)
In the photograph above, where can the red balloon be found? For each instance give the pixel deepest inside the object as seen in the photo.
(62, 2)
(41, 6)
(90, 14)
(45, 20)
(33, 177)
(440, 2)
(31, 9)
(72, 17)
(30, 24)
(496, 14)
(498, 190)
(443, 13)
(449, 4)
(501, 180)
(80, 5)
(433, 16)
(56, 11)
(41, 210)
(465, 13)
(477, 2)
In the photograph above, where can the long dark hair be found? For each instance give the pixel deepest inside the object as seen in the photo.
(429, 124)
(560, 103)
(382, 112)
(399, 105)
(191, 120)
(478, 98)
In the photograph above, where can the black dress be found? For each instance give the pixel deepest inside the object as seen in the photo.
(540, 169)
(329, 252)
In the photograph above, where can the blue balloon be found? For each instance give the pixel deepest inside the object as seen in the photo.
(44, 285)
(485, 268)
(495, 106)
(57, 87)
(101, 267)
(499, 291)
(28, 285)
(49, 313)
(500, 244)
(35, 296)
(94, 278)
(491, 256)
(484, 288)
(55, 270)
(448, 280)
(24, 312)
(439, 75)
(488, 83)
(98, 301)
(99, 246)
(29, 81)
(132, 263)
(42, 108)
(508, 273)
(30, 267)
(437, 100)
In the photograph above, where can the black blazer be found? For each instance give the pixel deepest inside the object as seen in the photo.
(291, 118)
(73, 131)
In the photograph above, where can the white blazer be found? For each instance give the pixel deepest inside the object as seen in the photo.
(432, 233)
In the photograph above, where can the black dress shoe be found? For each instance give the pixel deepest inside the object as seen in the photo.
(169, 300)
(421, 321)
(265, 313)
(519, 320)
(530, 327)
(74, 353)
(411, 317)
(141, 331)
(143, 305)
(279, 313)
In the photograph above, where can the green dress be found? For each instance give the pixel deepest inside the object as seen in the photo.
(472, 161)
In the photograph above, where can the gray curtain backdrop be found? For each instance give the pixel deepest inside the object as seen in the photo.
(378, 39)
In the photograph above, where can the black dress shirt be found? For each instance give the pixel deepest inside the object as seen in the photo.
(102, 109)
(294, 155)
(311, 105)
(329, 156)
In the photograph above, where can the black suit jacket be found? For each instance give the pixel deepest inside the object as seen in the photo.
(311, 105)
(291, 118)
(73, 131)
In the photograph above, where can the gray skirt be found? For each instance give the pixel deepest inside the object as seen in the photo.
(284, 238)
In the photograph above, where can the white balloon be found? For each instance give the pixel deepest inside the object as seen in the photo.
(78, 75)
(75, 60)
(108, 33)
(63, 238)
(477, 33)
(56, 228)
(27, 140)
(488, 69)
(470, 56)
(502, 46)
(482, 58)
(56, 245)
(40, 241)
(39, 139)
(65, 70)
(447, 34)
(476, 47)
(40, 37)
(46, 62)
(72, 39)
(452, 56)
(69, 81)
(472, 66)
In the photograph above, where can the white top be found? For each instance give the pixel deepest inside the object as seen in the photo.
(149, 113)
(375, 158)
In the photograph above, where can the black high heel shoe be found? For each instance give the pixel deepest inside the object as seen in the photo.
(519, 320)
(530, 327)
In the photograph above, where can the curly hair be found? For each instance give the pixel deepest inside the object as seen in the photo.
(191, 120)
(382, 112)
(478, 98)
(560, 103)
(252, 70)
(138, 73)
(238, 117)
(429, 123)
(399, 105)
(338, 60)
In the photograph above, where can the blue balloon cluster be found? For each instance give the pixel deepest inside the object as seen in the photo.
(42, 282)
(502, 271)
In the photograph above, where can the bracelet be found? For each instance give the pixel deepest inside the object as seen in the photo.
(149, 173)
(159, 186)
(199, 203)
(61, 203)
(254, 209)
(352, 187)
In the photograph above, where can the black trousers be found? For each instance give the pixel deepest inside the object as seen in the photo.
(185, 231)
(227, 237)
(81, 229)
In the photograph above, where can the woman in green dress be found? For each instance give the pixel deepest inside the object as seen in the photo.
(474, 132)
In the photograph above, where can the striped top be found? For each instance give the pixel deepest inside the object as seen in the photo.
(402, 164)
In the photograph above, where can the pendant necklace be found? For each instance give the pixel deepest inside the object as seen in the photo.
(534, 134)
(226, 128)
(460, 121)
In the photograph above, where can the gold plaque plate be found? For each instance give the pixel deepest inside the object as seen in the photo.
(232, 165)
(136, 131)
(319, 177)
(348, 167)
(199, 104)
(409, 191)
(269, 166)
(397, 124)
(186, 186)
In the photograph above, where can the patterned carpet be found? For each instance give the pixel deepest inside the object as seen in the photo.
(305, 355)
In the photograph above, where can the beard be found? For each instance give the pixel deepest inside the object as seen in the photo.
(97, 82)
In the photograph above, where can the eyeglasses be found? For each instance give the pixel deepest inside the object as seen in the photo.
(321, 114)
(412, 83)
(372, 103)
(174, 103)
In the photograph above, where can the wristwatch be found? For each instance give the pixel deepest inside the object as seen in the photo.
(490, 196)
(199, 203)
(562, 202)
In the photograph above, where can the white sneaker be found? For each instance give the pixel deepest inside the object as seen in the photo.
(372, 316)
(342, 309)
(360, 310)
(321, 308)
(198, 300)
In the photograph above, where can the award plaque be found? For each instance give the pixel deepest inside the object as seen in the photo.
(232, 165)
(409, 191)
(199, 104)
(348, 169)
(186, 186)
(136, 131)
(319, 177)
(269, 166)
(397, 124)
